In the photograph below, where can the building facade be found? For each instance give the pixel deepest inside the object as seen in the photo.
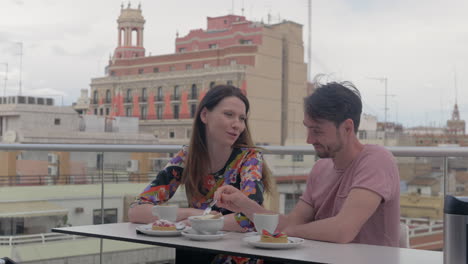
(265, 61)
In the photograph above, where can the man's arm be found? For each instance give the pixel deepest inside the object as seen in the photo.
(342, 228)
(301, 214)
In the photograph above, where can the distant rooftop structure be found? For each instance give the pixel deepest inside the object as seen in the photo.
(31, 100)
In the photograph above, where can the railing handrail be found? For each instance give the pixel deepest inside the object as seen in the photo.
(400, 151)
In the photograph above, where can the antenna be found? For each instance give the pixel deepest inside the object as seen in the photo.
(455, 85)
(309, 50)
(242, 9)
(384, 80)
(20, 65)
(6, 78)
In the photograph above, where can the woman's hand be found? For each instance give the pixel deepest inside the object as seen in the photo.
(232, 199)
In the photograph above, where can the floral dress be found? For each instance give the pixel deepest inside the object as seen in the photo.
(243, 170)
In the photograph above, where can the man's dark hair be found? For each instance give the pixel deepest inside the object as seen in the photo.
(335, 102)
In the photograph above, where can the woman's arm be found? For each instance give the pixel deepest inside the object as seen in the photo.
(160, 190)
(141, 213)
(251, 186)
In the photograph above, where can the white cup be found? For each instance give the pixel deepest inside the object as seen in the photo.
(269, 222)
(165, 212)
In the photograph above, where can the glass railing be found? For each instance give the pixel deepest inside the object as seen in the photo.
(43, 186)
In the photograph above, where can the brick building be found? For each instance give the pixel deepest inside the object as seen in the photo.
(266, 61)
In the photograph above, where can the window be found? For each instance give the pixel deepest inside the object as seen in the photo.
(233, 62)
(182, 49)
(172, 68)
(229, 82)
(95, 97)
(107, 111)
(128, 111)
(171, 133)
(160, 93)
(193, 109)
(206, 65)
(297, 157)
(194, 93)
(176, 111)
(188, 66)
(141, 71)
(159, 111)
(144, 94)
(213, 46)
(156, 69)
(212, 84)
(110, 216)
(362, 134)
(95, 111)
(112, 73)
(144, 112)
(129, 95)
(245, 41)
(176, 92)
(108, 96)
(101, 111)
(189, 133)
(57, 121)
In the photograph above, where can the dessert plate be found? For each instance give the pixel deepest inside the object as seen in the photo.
(255, 241)
(147, 230)
(194, 235)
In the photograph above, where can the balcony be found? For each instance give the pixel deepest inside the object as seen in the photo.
(86, 176)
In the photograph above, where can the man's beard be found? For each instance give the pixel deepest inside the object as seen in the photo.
(331, 150)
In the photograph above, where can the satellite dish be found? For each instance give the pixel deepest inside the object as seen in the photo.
(10, 136)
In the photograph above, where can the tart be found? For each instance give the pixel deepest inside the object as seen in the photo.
(163, 225)
(273, 238)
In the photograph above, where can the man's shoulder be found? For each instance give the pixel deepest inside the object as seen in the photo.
(371, 149)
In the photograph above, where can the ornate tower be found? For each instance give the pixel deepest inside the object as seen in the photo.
(455, 125)
(130, 33)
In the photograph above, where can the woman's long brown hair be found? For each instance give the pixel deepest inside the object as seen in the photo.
(198, 160)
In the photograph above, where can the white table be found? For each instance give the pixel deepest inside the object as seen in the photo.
(231, 243)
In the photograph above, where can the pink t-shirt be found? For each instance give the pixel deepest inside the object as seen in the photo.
(373, 169)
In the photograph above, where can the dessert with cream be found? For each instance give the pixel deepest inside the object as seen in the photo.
(273, 238)
(163, 225)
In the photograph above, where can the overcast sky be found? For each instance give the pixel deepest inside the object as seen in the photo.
(419, 46)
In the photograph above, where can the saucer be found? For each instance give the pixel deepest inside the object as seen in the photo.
(194, 235)
(255, 241)
(147, 230)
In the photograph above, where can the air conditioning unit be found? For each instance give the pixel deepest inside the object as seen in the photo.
(52, 170)
(132, 166)
(52, 158)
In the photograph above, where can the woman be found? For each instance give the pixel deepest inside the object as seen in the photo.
(221, 152)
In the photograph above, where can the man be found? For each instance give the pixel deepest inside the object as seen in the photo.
(353, 191)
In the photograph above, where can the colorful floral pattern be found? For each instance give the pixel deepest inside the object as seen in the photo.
(243, 170)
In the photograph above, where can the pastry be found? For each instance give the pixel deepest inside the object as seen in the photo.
(163, 225)
(273, 238)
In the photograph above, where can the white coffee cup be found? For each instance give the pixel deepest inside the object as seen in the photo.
(166, 212)
(269, 222)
